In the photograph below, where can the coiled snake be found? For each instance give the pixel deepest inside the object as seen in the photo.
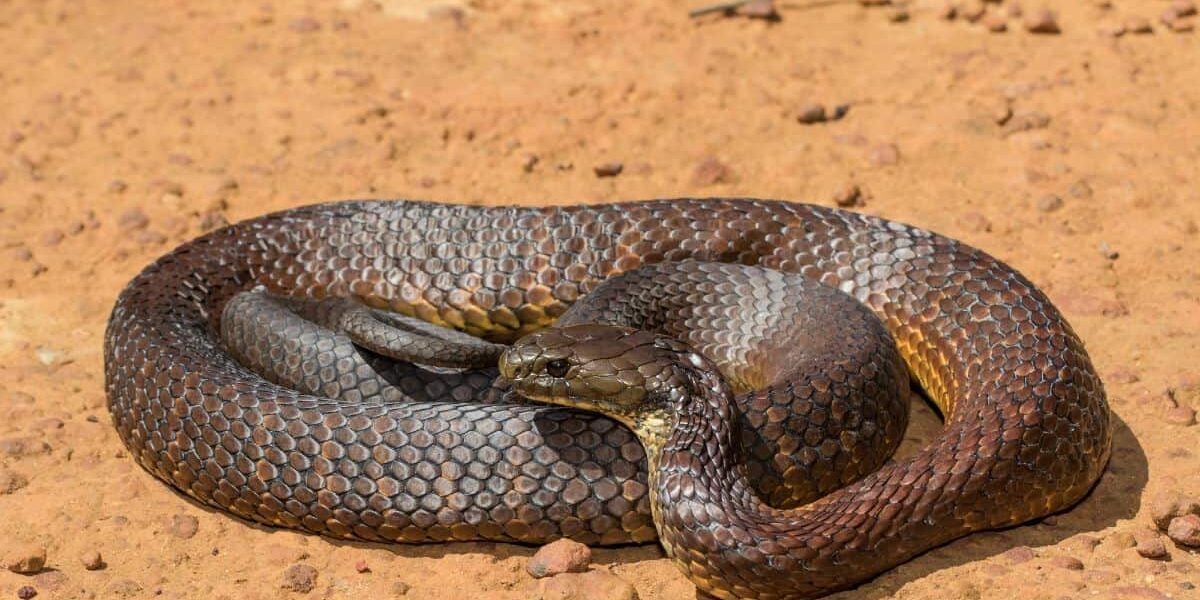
(360, 446)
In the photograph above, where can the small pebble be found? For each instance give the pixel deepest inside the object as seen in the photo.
(948, 11)
(11, 481)
(26, 559)
(974, 221)
(611, 169)
(898, 14)
(530, 161)
(304, 25)
(300, 578)
(811, 113)
(1184, 8)
(362, 567)
(1184, 416)
(561, 556)
(400, 588)
(117, 186)
(53, 237)
(1149, 544)
(150, 238)
(1049, 203)
(1019, 554)
(184, 526)
(26, 592)
(1107, 252)
(848, 196)
(974, 11)
(1138, 25)
(995, 24)
(1080, 189)
(133, 219)
(1043, 22)
(1185, 531)
(1183, 25)
(884, 155)
(91, 560)
(710, 171)
(1067, 562)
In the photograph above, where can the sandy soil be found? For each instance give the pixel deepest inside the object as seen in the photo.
(126, 128)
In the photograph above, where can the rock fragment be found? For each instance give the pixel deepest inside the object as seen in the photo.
(711, 171)
(1042, 22)
(1049, 203)
(609, 169)
(1185, 531)
(26, 559)
(883, 155)
(184, 526)
(133, 219)
(561, 556)
(1149, 544)
(811, 113)
(92, 560)
(849, 196)
(1067, 562)
(26, 592)
(1019, 554)
(300, 578)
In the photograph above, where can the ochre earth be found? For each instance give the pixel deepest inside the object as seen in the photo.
(127, 130)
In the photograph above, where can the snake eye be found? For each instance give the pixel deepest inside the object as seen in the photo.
(556, 367)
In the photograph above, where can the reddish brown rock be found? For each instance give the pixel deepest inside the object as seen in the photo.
(184, 526)
(361, 566)
(26, 592)
(133, 219)
(561, 556)
(1185, 531)
(811, 113)
(592, 585)
(1149, 544)
(91, 560)
(1183, 416)
(300, 578)
(1019, 554)
(883, 155)
(1138, 25)
(849, 196)
(711, 171)
(1067, 562)
(25, 559)
(611, 169)
(1042, 22)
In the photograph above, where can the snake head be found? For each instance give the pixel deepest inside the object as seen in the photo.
(638, 378)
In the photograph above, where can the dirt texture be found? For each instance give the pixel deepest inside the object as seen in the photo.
(1065, 142)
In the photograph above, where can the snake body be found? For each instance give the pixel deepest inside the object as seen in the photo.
(1027, 425)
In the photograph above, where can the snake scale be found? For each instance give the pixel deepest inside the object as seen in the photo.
(1027, 428)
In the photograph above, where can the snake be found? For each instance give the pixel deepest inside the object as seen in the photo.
(734, 462)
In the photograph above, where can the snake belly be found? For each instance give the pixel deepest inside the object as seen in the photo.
(1027, 424)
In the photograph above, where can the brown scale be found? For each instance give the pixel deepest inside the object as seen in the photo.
(1027, 428)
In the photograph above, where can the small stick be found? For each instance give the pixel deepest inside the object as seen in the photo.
(722, 7)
